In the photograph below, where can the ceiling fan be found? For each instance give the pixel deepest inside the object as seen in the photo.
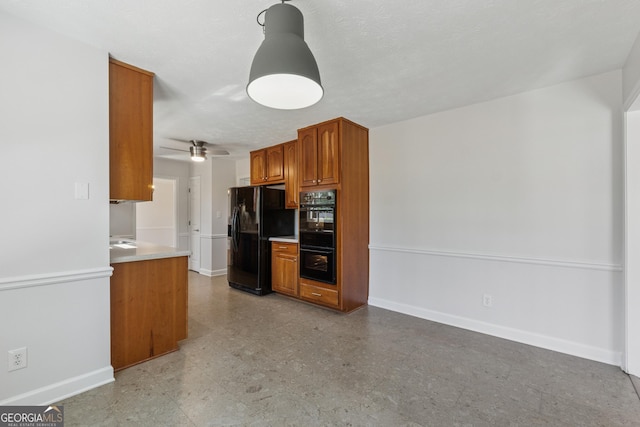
(199, 149)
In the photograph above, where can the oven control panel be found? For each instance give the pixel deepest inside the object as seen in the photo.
(318, 198)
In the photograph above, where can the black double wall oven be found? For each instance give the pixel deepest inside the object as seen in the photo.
(317, 236)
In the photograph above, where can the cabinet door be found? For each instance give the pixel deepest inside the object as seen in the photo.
(284, 274)
(308, 157)
(328, 154)
(275, 163)
(284, 268)
(291, 175)
(258, 167)
(130, 132)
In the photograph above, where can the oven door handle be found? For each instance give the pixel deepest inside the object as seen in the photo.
(316, 250)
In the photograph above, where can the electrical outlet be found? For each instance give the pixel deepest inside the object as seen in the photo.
(17, 359)
(487, 300)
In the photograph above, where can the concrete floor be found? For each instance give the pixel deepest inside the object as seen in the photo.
(273, 361)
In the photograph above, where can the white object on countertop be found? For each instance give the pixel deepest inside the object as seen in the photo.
(125, 246)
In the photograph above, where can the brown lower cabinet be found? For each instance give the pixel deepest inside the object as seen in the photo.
(319, 294)
(284, 268)
(285, 278)
(148, 309)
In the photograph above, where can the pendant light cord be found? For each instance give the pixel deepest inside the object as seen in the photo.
(262, 13)
(258, 19)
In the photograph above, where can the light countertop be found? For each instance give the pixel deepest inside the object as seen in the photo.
(286, 239)
(131, 250)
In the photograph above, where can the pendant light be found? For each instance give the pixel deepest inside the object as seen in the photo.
(284, 74)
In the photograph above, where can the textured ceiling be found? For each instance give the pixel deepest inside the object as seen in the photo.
(380, 61)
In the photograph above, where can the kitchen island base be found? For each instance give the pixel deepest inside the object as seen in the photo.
(148, 309)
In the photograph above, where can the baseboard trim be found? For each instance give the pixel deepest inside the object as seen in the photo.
(63, 389)
(502, 258)
(53, 278)
(517, 335)
(213, 273)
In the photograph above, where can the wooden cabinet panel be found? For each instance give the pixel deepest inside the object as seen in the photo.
(267, 165)
(258, 162)
(320, 155)
(148, 309)
(284, 268)
(319, 295)
(328, 166)
(291, 189)
(275, 163)
(130, 132)
(308, 157)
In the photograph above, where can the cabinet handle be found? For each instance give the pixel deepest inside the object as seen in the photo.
(319, 181)
(314, 181)
(282, 247)
(316, 294)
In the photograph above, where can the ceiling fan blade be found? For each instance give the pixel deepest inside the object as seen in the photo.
(174, 149)
(207, 147)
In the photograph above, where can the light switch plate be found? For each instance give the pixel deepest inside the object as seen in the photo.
(82, 190)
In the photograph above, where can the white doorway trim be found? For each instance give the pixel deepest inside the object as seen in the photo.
(195, 223)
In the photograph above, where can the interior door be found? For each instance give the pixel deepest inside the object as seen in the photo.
(194, 223)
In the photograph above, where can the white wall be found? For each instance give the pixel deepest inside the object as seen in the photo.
(217, 175)
(631, 75)
(122, 220)
(519, 198)
(54, 253)
(632, 295)
(156, 220)
(180, 171)
(224, 177)
(243, 171)
(631, 93)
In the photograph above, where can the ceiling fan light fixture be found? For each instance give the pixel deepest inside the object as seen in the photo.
(198, 153)
(284, 74)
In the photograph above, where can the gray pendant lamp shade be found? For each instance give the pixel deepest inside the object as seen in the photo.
(284, 73)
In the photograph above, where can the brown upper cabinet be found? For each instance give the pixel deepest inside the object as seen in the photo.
(291, 190)
(130, 132)
(267, 165)
(319, 154)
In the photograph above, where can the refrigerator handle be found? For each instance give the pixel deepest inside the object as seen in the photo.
(235, 228)
(233, 220)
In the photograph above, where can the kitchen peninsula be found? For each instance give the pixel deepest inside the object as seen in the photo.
(148, 301)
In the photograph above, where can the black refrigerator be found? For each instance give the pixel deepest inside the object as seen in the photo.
(255, 214)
